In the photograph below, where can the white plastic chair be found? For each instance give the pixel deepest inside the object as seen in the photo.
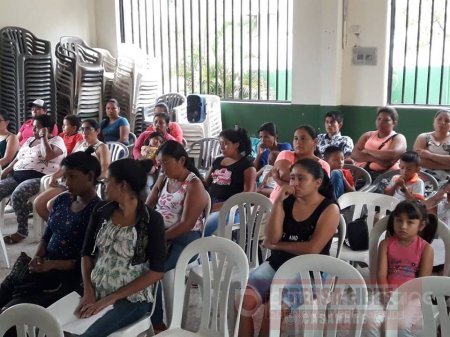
(359, 200)
(326, 305)
(38, 222)
(376, 234)
(168, 279)
(359, 175)
(2, 224)
(341, 231)
(142, 325)
(204, 151)
(426, 289)
(252, 207)
(117, 150)
(221, 259)
(27, 318)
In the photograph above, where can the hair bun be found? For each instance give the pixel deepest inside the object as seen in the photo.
(146, 165)
(90, 150)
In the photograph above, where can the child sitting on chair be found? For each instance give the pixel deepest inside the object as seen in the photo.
(341, 179)
(407, 185)
(265, 175)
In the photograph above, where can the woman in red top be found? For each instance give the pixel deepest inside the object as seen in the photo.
(171, 128)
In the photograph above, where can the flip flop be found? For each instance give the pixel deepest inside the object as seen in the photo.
(13, 238)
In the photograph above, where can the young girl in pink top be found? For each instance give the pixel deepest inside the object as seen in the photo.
(405, 254)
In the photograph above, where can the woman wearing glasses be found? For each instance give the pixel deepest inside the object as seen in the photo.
(90, 130)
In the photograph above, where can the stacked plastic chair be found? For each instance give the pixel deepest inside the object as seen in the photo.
(79, 79)
(109, 65)
(209, 128)
(135, 84)
(26, 73)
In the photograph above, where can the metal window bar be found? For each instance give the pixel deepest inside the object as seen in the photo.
(214, 59)
(424, 76)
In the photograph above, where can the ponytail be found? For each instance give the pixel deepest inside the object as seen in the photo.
(429, 232)
(239, 135)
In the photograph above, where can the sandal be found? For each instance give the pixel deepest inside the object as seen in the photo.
(13, 238)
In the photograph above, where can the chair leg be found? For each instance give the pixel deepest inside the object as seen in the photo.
(167, 284)
(2, 224)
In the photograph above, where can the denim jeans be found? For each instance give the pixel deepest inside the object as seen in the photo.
(174, 253)
(337, 181)
(123, 313)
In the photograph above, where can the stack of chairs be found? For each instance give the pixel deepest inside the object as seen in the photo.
(109, 65)
(135, 84)
(26, 73)
(209, 128)
(79, 79)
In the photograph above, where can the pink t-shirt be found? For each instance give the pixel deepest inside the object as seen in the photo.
(290, 156)
(403, 261)
(174, 130)
(27, 130)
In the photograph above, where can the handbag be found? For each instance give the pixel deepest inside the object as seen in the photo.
(357, 237)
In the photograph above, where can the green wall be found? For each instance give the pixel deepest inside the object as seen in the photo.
(357, 119)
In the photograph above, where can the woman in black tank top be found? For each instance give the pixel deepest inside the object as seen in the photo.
(304, 219)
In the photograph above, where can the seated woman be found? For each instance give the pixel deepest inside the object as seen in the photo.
(40, 155)
(231, 173)
(89, 131)
(9, 143)
(173, 128)
(303, 221)
(304, 142)
(379, 151)
(38, 108)
(180, 197)
(161, 124)
(434, 148)
(114, 128)
(123, 252)
(268, 143)
(55, 268)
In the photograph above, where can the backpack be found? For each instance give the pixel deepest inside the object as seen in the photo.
(357, 237)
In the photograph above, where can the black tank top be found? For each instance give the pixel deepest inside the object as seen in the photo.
(298, 231)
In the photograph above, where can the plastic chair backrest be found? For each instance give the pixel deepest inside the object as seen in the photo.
(442, 231)
(432, 293)
(221, 259)
(172, 100)
(325, 305)
(209, 150)
(342, 231)
(251, 207)
(131, 138)
(368, 200)
(360, 176)
(27, 318)
(117, 150)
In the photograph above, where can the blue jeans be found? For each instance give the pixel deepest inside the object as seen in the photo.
(174, 253)
(213, 222)
(123, 314)
(337, 181)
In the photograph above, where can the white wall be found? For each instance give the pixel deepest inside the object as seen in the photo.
(322, 69)
(51, 19)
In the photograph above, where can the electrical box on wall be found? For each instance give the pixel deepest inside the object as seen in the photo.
(364, 56)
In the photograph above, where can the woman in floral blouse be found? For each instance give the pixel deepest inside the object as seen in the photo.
(179, 195)
(123, 252)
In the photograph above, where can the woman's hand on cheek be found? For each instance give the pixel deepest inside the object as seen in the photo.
(285, 192)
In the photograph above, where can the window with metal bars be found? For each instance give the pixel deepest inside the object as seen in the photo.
(236, 49)
(419, 65)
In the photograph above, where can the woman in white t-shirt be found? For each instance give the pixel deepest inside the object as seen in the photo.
(38, 156)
